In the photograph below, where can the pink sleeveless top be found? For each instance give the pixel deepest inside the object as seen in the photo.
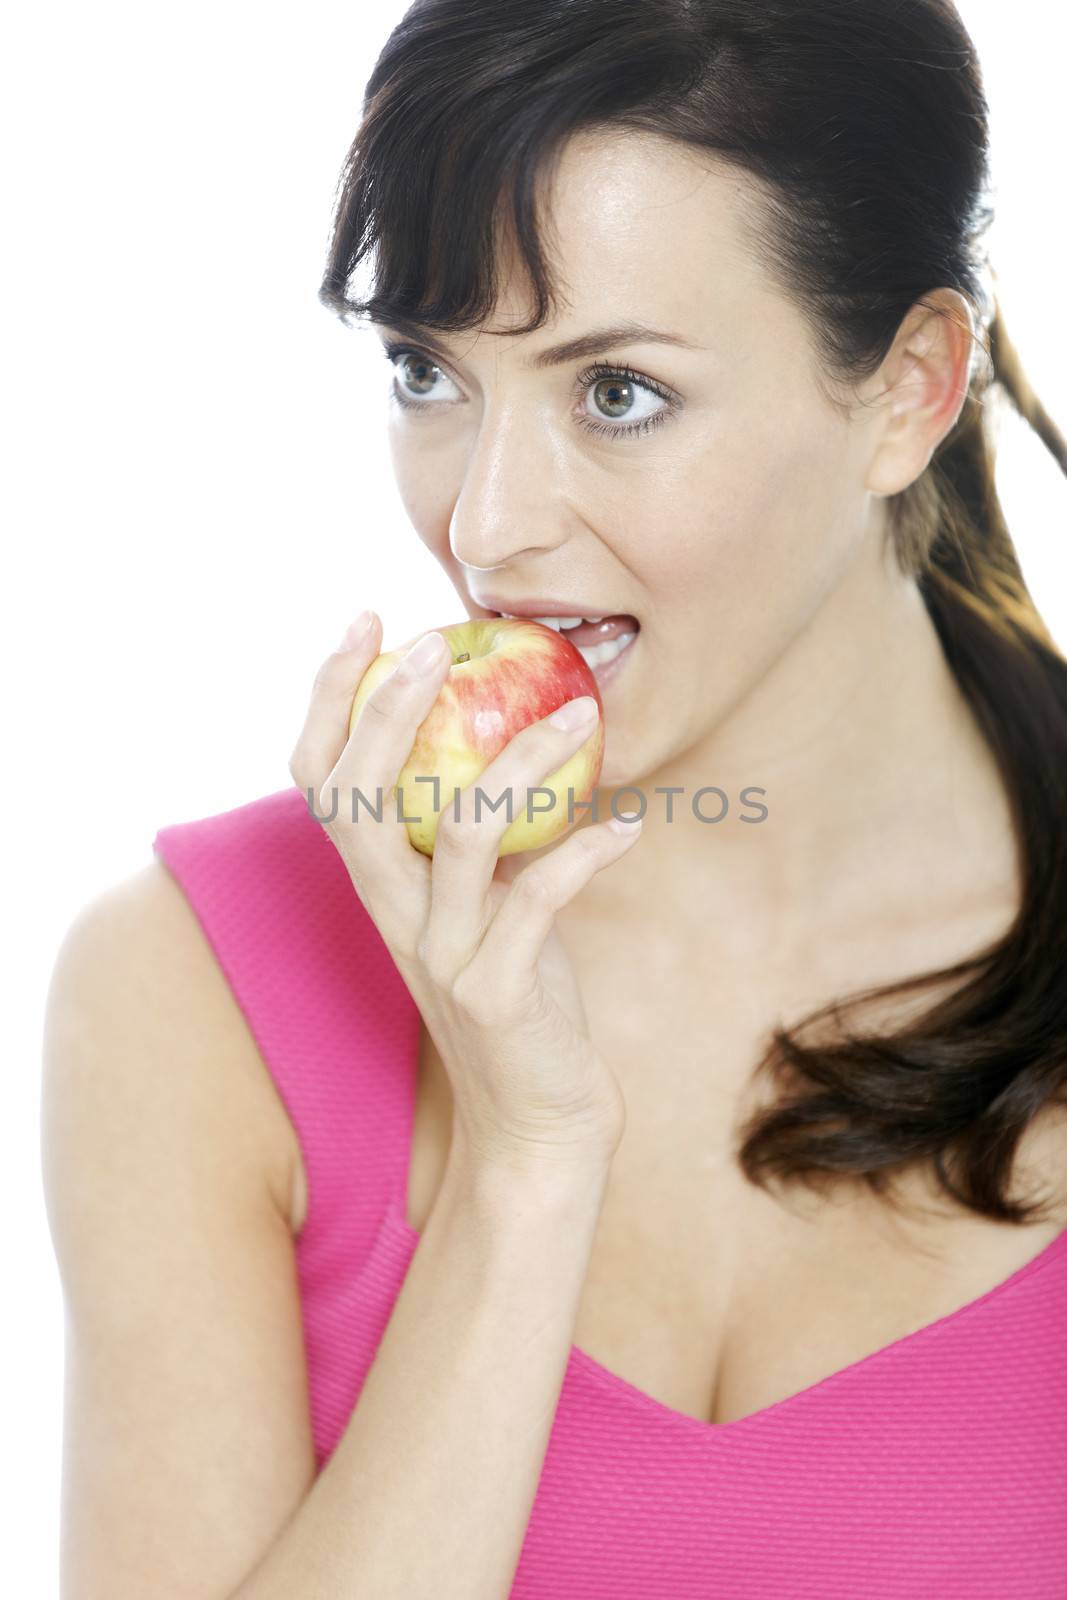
(936, 1467)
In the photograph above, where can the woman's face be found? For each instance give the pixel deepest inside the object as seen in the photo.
(722, 522)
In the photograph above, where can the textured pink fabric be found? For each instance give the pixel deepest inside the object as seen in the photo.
(936, 1467)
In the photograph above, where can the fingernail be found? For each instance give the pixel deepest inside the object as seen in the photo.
(424, 655)
(574, 713)
(355, 630)
(626, 822)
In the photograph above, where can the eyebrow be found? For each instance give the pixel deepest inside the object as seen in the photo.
(587, 344)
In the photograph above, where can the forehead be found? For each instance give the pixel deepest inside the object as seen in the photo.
(639, 226)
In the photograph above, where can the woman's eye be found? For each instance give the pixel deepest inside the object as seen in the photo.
(622, 400)
(415, 376)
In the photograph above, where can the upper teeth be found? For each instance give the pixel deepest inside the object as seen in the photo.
(558, 622)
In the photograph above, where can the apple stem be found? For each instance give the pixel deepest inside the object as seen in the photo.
(464, 657)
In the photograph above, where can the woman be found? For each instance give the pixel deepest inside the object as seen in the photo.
(670, 1211)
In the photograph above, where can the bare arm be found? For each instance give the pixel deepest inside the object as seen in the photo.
(188, 1467)
(186, 1437)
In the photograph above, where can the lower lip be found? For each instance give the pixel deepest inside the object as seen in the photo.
(607, 671)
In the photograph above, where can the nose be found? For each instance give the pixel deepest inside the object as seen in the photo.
(509, 505)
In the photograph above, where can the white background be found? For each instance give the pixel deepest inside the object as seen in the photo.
(199, 495)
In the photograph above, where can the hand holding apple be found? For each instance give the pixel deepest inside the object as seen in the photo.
(506, 673)
(477, 947)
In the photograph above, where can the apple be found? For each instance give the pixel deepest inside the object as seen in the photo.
(506, 672)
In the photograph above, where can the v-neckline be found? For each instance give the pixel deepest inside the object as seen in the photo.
(396, 1215)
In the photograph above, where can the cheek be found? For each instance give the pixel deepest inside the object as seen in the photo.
(738, 541)
(760, 499)
(778, 522)
(782, 522)
(423, 474)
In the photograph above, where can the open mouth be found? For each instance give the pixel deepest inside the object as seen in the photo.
(599, 640)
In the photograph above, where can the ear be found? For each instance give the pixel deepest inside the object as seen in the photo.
(923, 384)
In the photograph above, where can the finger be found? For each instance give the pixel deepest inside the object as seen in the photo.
(512, 944)
(465, 849)
(373, 758)
(325, 730)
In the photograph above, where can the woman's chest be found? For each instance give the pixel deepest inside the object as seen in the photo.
(717, 1298)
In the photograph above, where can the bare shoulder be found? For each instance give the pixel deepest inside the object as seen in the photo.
(187, 1442)
(135, 968)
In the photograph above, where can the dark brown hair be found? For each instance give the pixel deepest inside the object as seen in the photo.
(864, 126)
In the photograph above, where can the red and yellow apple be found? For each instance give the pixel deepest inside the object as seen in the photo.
(506, 672)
